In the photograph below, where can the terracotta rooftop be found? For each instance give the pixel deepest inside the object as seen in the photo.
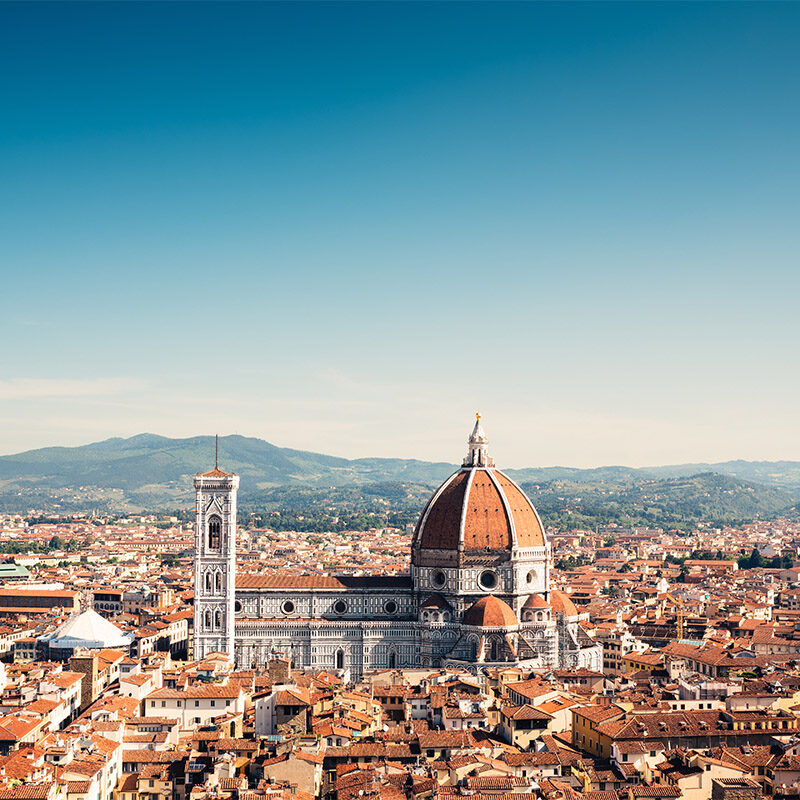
(343, 582)
(480, 509)
(536, 601)
(562, 604)
(490, 612)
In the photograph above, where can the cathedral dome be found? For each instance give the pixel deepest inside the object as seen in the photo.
(536, 601)
(562, 604)
(436, 601)
(490, 612)
(478, 508)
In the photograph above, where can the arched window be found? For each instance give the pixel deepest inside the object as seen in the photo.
(214, 532)
(208, 620)
(495, 652)
(219, 581)
(208, 581)
(340, 659)
(392, 659)
(539, 616)
(217, 619)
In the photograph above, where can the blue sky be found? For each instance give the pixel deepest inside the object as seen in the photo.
(344, 227)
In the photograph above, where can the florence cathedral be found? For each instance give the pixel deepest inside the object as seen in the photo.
(478, 593)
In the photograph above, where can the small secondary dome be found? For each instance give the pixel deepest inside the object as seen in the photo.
(478, 508)
(490, 612)
(436, 601)
(536, 601)
(562, 604)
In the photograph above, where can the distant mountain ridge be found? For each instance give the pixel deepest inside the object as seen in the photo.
(154, 472)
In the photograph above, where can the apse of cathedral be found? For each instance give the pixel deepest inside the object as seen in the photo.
(478, 593)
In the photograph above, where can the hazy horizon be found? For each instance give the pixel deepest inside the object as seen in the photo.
(345, 227)
(452, 461)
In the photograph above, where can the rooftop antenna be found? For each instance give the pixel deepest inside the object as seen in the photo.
(216, 451)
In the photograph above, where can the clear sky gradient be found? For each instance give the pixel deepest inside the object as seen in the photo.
(345, 227)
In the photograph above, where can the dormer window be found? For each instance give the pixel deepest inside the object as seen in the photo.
(214, 532)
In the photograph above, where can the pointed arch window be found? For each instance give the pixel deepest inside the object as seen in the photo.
(217, 619)
(214, 532)
(495, 651)
(392, 659)
(208, 620)
(340, 659)
(219, 581)
(208, 581)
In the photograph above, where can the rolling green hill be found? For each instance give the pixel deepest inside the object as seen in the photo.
(154, 472)
(149, 472)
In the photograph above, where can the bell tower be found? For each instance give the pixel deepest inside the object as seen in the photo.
(214, 561)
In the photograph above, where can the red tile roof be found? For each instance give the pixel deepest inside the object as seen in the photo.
(478, 509)
(490, 612)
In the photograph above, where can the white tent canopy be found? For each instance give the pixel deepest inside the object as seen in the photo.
(87, 629)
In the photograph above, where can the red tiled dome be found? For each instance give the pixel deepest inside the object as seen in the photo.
(475, 509)
(435, 601)
(490, 612)
(536, 601)
(562, 604)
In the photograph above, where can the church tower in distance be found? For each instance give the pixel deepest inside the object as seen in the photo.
(214, 562)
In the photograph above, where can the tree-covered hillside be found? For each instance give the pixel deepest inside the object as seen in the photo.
(671, 502)
(150, 472)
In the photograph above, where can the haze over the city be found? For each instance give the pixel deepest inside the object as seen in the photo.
(345, 228)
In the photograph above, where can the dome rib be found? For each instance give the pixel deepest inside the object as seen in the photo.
(487, 525)
(463, 521)
(442, 515)
(506, 506)
(529, 531)
(479, 508)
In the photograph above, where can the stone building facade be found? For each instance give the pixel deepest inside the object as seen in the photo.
(478, 593)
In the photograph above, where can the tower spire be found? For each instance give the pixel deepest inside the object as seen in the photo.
(477, 454)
